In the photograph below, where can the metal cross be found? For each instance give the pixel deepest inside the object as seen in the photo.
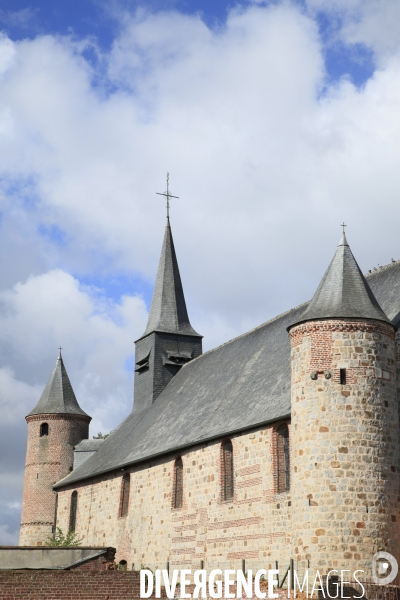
(343, 225)
(167, 195)
(60, 352)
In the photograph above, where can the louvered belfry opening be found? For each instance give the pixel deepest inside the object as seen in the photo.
(283, 458)
(72, 512)
(227, 470)
(178, 484)
(125, 489)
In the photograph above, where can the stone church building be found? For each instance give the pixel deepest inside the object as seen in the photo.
(280, 444)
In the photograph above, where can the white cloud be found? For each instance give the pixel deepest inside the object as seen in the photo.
(97, 336)
(7, 54)
(369, 22)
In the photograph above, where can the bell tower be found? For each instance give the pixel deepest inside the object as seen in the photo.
(55, 426)
(345, 424)
(169, 341)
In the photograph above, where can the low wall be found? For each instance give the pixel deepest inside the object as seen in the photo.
(69, 585)
(34, 557)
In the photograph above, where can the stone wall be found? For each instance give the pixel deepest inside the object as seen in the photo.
(48, 459)
(254, 526)
(345, 440)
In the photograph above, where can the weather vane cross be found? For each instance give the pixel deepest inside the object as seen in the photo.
(343, 225)
(167, 195)
(59, 349)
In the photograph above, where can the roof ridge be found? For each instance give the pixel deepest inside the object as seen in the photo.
(286, 312)
(381, 268)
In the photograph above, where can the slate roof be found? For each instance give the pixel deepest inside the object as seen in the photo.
(58, 396)
(237, 386)
(343, 291)
(168, 311)
(89, 445)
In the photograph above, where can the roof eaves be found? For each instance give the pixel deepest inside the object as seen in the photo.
(63, 483)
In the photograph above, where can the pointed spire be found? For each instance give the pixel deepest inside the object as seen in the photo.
(343, 241)
(343, 291)
(58, 396)
(168, 311)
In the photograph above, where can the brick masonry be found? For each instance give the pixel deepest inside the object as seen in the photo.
(254, 526)
(345, 439)
(343, 505)
(48, 459)
(94, 585)
(69, 585)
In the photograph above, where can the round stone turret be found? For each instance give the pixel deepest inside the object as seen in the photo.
(345, 425)
(55, 426)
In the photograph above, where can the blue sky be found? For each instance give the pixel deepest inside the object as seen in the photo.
(276, 120)
(81, 18)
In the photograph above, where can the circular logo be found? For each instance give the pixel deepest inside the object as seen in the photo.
(384, 568)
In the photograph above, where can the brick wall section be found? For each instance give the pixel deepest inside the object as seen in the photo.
(345, 438)
(255, 525)
(71, 585)
(48, 459)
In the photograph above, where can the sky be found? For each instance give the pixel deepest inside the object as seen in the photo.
(277, 121)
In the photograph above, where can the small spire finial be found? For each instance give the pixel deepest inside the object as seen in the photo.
(59, 352)
(167, 195)
(343, 240)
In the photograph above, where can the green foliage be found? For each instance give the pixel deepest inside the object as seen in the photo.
(61, 539)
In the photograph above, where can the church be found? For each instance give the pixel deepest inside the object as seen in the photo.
(281, 444)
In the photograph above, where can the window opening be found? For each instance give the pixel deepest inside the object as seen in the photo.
(227, 470)
(73, 509)
(178, 484)
(125, 489)
(283, 458)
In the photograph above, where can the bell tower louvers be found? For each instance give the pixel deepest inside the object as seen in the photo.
(169, 341)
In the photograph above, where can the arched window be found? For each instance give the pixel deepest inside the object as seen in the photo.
(227, 470)
(122, 565)
(72, 511)
(283, 458)
(44, 429)
(125, 488)
(178, 484)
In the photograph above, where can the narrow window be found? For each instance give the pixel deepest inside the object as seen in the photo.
(122, 565)
(72, 512)
(227, 470)
(343, 376)
(283, 458)
(178, 484)
(125, 488)
(44, 429)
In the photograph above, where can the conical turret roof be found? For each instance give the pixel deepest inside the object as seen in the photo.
(343, 292)
(168, 311)
(58, 396)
